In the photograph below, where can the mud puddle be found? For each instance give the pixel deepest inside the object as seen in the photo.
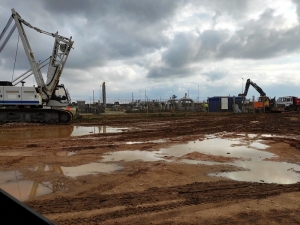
(141, 142)
(12, 183)
(251, 157)
(213, 146)
(81, 170)
(265, 172)
(81, 130)
(132, 156)
(91, 168)
(7, 137)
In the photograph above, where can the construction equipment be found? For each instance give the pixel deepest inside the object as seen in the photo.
(45, 102)
(289, 103)
(264, 103)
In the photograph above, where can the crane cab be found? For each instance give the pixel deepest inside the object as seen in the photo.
(60, 97)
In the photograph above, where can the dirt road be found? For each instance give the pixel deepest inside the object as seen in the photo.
(160, 189)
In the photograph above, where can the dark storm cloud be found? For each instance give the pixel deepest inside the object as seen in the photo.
(144, 12)
(103, 31)
(113, 31)
(117, 30)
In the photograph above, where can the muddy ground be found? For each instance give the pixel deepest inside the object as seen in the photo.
(156, 192)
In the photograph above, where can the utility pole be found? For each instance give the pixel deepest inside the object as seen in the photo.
(100, 94)
(243, 95)
(198, 93)
(242, 84)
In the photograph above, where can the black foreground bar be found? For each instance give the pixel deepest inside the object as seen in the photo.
(12, 211)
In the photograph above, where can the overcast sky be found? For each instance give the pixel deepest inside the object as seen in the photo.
(203, 48)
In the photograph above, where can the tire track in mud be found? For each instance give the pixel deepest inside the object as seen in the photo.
(155, 200)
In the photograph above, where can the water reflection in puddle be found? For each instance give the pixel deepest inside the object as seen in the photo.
(259, 170)
(132, 156)
(82, 170)
(91, 168)
(265, 171)
(64, 153)
(80, 130)
(140, 142)
(252, 136)
(9, 136)
(12, 183)
(216, 146)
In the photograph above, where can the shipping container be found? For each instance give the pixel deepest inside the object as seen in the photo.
(224, 104)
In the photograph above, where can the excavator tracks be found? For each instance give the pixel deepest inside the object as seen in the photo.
(54, 116)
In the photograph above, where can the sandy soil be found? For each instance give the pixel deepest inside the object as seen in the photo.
(157, 192)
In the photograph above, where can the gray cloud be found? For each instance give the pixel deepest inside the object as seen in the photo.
(168, 72)
(260, 39)
(181, 50)
(135, 34)
(209, 43)
(297, 3)
(234, 8)
(257, 39)
(113, 30)
(215, 75)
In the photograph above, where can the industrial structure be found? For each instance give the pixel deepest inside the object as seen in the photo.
(45, 102)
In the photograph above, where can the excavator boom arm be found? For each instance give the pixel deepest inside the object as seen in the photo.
(256, 87)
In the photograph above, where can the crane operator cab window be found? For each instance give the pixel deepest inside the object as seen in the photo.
(60, 94)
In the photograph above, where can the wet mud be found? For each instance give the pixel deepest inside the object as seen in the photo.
(163, 169)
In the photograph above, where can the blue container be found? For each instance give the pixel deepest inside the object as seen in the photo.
(215, 103)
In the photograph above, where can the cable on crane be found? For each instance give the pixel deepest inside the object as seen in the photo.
(12, 76)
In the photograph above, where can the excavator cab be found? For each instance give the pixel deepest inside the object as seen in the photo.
(265, 103)
(262, 102)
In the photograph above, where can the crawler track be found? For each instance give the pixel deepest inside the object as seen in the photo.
(35, 115)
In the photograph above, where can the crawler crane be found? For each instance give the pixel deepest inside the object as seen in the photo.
(43, 102)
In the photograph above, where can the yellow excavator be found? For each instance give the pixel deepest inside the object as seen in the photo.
(264, 103)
